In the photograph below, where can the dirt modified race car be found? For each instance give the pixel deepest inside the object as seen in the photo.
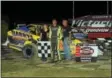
(82, 48)
(99, 28)
(22, 39)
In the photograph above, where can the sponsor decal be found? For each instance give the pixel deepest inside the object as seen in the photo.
(93, 29)
(86, 51)
(79, 35)
(100, 35)
(19, 38)
(94, 32)
(105, 20)
(83, 23)
(18, 35)
(98, 29)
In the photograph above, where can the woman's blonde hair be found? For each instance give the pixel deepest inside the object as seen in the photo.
(45, 26)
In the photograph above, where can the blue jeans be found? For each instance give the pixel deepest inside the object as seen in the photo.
(67, 54)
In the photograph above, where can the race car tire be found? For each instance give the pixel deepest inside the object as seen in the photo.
(94, 59)
(30, 51)
(77, 59)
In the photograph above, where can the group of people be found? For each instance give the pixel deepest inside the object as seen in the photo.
(55, 33)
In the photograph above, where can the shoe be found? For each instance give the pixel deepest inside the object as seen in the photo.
(44, 61)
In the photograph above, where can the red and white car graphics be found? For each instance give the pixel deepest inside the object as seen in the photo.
(85, 51)
(97, 26)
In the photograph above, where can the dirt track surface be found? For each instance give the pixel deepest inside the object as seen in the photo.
(14, 65)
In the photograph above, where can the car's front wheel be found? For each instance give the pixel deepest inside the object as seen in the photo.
(29, 51)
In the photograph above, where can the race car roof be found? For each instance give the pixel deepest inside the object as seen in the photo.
(23, 28)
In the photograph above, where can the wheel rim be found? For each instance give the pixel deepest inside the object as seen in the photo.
(29, 51)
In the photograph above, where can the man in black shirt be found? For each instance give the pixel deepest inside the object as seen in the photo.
(66, 39)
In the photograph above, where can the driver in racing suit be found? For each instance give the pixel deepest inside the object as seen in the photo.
(55, 35)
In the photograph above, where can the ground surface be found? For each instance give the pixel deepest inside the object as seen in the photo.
(14, 65)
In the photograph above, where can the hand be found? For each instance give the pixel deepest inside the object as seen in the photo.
(63, 38)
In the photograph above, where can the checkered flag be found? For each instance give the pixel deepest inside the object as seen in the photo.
(44, 48)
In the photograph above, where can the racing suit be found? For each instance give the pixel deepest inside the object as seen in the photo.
(55, 35)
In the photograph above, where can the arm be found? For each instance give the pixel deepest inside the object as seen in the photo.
(40, 36)
(70, 35)
(49, 34)
(61, 33)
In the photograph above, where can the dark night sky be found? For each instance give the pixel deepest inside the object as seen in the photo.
(46, 10)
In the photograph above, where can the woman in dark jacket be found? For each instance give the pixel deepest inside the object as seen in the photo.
(44, 37)
(44, 33)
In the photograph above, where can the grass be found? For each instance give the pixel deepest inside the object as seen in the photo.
(19, 67)
(30, 71)
(23, 69)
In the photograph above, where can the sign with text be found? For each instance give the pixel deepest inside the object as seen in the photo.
(94, 21)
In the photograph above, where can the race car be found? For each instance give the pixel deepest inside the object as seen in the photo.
(21, 39)
(82, 48)
(99, 28)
